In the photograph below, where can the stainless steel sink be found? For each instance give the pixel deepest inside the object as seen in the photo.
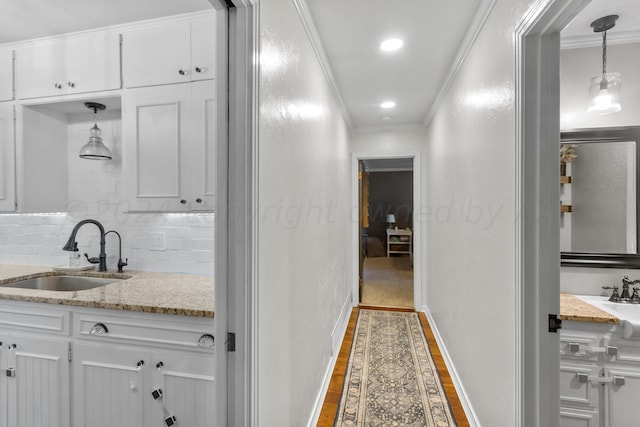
(61, 283)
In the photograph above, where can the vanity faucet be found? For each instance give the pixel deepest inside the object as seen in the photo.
(120, 262)
(71, 244)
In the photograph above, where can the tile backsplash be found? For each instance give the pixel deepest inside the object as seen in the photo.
(95, 192)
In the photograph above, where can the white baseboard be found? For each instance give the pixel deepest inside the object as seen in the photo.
(457, 383)
(337, 336)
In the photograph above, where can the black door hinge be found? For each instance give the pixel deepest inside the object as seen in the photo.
(231, 341)
(554, 323)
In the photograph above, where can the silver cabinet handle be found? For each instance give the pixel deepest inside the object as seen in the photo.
(183, 72)
(71, 84)
(199, 70)
(206, 341)
(98, 329)
(57, 86)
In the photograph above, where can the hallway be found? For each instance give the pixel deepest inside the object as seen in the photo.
(335, 391)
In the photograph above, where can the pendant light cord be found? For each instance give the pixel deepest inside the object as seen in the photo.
(604, 53)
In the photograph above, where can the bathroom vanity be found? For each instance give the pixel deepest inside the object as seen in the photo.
(599, 367)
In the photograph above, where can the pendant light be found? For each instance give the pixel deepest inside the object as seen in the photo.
(604, 91)
(95, 149)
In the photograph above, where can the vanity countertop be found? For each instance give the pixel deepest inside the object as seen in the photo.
(573, 308)
(151, 292)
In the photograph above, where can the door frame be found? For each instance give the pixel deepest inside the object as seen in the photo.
(418, 230)
(537, 221)
(236, 299)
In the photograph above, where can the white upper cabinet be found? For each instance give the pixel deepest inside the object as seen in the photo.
(76, 64)
(7, 159)
(6, 74)
(169, 147)
(173, 52)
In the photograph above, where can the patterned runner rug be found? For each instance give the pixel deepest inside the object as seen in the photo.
(391, 379)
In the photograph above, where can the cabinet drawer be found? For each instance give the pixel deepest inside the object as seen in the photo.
(580, 345)
(570, 417)
(585, 395)
(154, 330)
(18, 317)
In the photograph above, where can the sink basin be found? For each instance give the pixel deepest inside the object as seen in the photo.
(629, 314)
(61, 283)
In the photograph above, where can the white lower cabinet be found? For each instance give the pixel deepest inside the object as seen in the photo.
(101, 368)
(599, 376)
(108, 386)
(37, 382)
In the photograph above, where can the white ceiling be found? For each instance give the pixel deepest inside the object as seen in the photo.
(351, 31)
(435, 32)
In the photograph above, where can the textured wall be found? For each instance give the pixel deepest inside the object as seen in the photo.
(304, 225)
(95, 191)
(470, 174)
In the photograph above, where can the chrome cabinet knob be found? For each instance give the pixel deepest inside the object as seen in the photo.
(57, 86)
(199, 70)
(198, 200)
(206, 341)
(71, 84)
(98, 329)
(183, 72)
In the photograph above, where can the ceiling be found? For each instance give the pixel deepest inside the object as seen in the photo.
(436, 35)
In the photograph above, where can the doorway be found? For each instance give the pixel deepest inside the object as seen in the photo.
(386, 238)
(386, 223)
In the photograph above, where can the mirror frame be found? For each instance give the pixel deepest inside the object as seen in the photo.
(606, 260)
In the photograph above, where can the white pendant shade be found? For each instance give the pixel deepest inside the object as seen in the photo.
(604, 94)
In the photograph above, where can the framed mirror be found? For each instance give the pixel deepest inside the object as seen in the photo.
(600, 178)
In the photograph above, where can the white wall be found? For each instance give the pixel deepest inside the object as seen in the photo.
(470, 262)
(95, 191)
(304, 224)
(577, 66)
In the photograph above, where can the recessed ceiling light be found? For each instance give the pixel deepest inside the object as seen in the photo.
(391, 45)
(388, 104)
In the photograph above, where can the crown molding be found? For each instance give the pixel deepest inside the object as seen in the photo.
(595, 40)
(316, 42)
(479, 18)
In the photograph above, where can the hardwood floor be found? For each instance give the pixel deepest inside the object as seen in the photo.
(334, 392)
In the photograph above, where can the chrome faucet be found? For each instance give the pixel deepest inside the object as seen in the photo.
(72, 245)
(625, 297)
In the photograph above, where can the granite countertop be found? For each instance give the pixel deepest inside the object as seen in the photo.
(165, 293)
(573, 308)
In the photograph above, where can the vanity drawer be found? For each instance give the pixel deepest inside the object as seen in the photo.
(27, 317)
(577, 388)
(146, 329)
(580, 345)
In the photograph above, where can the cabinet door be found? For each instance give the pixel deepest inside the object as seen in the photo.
(623, 408)
(93, 63)
(203, 48)
(156, 55)
(188, 389)
(108, 386)
(6, 74)
(154, 133)
(41, 70)
(38, 390)
(199, 159)
(7, 159)
(570, 417)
